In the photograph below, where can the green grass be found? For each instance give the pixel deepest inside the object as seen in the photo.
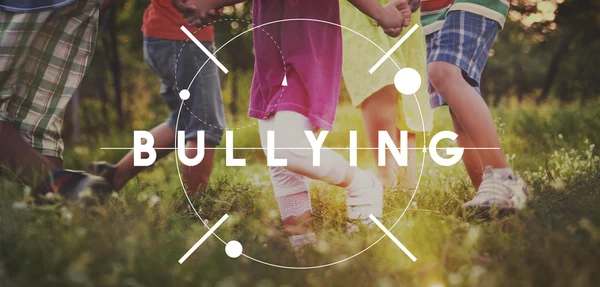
(137, 236)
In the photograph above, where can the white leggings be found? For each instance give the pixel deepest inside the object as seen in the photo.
(289, 130)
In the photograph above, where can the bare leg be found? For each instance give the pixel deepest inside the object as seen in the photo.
(409, 180)
(17, 155)
(380, 114)
(470, 111)
(164, 137)
(57, 162)
(296, 225)
(196, 177)
(470, 157)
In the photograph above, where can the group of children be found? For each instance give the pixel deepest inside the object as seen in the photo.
(452, 47)
(450, 50)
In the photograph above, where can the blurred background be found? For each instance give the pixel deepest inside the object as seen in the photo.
(541, 82)
(546, 54)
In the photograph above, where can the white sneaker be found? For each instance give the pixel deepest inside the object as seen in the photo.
(501, 191)
(365, 197)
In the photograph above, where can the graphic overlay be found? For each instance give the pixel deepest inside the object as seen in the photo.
(407, 81)
(203, 238)
(393, 238)
(233, 249)
(192, 38)
(285, 82)
(394, 48)
(210, 56)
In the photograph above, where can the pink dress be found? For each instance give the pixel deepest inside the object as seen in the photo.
(312, 52)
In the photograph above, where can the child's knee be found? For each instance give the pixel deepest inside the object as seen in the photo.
(441, 73)
(298, 160)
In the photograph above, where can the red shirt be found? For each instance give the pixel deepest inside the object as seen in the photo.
(162, 20)
(432, 5)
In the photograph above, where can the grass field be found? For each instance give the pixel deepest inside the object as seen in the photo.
(138, 235)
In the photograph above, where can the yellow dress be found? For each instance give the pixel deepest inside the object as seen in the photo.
(360, 55)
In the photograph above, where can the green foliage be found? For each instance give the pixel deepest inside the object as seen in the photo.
(546, 52)
(137, 236)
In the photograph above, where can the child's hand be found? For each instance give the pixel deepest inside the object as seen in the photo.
(393, 32)
(414, 5)
(198, 12)
(405, 10)
(204, 18)
(397, 15)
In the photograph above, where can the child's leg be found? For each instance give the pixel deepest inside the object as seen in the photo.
(164, 137)
(470, 157)
(470, 111)
(293, 198)
(364, 192)
(18, 156)
(196, 177)
(457, 55)
(380, 113)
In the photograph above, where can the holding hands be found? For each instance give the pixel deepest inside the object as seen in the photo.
(397, 16)
(391, 17)
(199, 12)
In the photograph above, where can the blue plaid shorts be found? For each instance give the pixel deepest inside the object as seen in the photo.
(465, 40)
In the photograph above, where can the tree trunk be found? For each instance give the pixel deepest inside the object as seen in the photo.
(554, 67)
(115, 64)
(233, 108)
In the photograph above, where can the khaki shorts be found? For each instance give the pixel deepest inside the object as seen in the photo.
(43, 57)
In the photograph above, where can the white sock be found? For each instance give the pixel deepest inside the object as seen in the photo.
(301, 240)
(294, 204)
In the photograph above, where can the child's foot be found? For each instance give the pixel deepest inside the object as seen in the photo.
(364, 196)
(501, 191)
(302, 240)
(71, 185)
(300, 243)
(103, 169)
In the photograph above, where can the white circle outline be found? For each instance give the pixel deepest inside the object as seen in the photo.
(341, 260)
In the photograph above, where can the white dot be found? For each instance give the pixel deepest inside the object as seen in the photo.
(407, 81)
(184, 94)
(233, 249)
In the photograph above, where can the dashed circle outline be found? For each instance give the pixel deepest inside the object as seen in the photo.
(208, 60)
(390, 228)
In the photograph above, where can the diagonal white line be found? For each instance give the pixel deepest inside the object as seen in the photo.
(391, 236)
(210, 231)
(206, 51)
(394, 48)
